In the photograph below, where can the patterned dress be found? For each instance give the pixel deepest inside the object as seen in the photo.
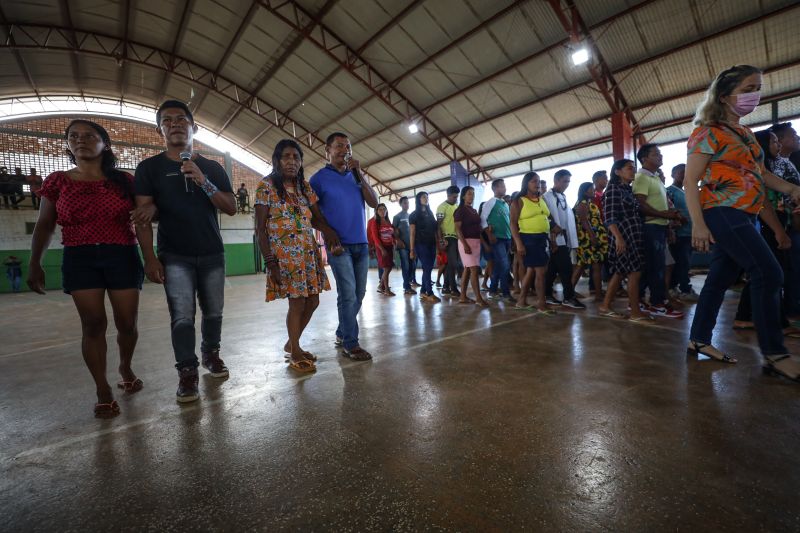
(589, 253)
(622, 208)
(291, 239)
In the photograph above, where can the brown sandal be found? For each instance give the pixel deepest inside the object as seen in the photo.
(131, 386)
(106, 410)
(304, 366)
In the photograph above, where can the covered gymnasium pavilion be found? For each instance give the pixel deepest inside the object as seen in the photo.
(466, 419)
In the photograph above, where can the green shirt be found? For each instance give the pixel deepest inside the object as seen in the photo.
(496, 214)
(448, 226)
(649, 185)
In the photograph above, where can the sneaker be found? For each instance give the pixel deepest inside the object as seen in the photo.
(187, 384)
(690, 296)
(552, 300)
(339, 341)
(415, 284)
(574, 303)
(215, 366)
(664, 311)
(434, 299)
(409, 291)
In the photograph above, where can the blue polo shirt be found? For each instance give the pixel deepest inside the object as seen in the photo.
(342, 203)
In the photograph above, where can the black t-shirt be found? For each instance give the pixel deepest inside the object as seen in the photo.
(187, 220)
(425, 225)
(470, 221)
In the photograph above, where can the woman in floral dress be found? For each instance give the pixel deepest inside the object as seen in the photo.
(592, 238)
(286, 207)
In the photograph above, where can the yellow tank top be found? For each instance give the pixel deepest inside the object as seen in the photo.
(533, 216)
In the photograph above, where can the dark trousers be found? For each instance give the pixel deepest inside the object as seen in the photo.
(452, 264)
(426, 253)
(740, 246)
(744, 312)
(405, 267)
(561, 265)
(500, 272)
(681, 251)
(189, 279)
(655, 263)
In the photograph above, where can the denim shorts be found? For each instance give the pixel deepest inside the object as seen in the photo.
(101, 266)
(535, 249)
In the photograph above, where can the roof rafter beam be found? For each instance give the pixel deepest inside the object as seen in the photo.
(38, 37)
(237, 37)
(287, 53)
(295, 15)
(645, 129)
(579, 85)
(601, 73)
(527, 59)
(449, 46)
(369, 42)
(16, 53)
(180, 31)
(126, 16)
(76, 67)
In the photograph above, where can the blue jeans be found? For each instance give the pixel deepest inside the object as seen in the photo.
(15, 279)
(740, 246)
(188, 279)
(350, 271)
(681, 251)
(501, 267)
(655, 263)
(426, 253)
(405, 268)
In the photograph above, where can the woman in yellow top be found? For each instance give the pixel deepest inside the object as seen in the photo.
(530, 229)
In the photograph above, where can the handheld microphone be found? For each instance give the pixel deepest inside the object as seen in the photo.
(347, 157)
(186, 156)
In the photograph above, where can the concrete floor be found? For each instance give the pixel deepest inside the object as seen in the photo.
(466, 420)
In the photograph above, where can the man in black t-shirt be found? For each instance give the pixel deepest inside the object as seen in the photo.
(243, 196)
(191, 260)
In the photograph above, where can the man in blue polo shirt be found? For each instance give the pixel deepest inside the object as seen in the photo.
(342, 191)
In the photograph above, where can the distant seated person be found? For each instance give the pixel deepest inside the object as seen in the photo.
(244, 199)
(17, 181)
(35, 183)
(8, 188)
(13, 272)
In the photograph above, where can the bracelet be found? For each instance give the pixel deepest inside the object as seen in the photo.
(209, 188)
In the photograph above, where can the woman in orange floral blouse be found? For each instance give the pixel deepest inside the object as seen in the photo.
(286, 213)
(726, 185)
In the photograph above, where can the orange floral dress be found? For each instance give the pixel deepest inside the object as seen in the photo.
(291, 239)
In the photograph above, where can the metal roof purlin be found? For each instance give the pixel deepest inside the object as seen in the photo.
(287, 53)
(341, 52)
(17, 56)
(127, 17)
(97, 44)
(509, 68)
(76, 69)
(575, 86)
(324, 81)
(179, 33)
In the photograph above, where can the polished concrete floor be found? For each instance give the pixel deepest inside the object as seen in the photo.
(467, 419)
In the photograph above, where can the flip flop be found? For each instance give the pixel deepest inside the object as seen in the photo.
(642, 319)
(131, 386)
(523, 307)
(308, 356)
(303, 366)
(545, 312)
(106, 410)
(611, 314)
(792, 332)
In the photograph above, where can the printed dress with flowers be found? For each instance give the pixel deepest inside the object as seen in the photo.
(589, 253)
(291, 239)
(733, 176)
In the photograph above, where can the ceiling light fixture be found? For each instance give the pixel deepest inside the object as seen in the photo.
(580, 56)
(413, 128)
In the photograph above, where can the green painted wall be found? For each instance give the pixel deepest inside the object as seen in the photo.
(238, 261)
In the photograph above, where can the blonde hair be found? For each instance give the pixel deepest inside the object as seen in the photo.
(712, 109)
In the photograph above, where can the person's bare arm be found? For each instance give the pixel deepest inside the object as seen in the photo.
(770, 218)
(42, 235)
(262, 236)
(320, 223)
(153, 268)
(515, 211)
(695, 168)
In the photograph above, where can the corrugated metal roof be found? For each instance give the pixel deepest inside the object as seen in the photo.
(495, 76)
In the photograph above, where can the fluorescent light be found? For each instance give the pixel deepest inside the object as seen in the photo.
(580, 56)
(412, 128)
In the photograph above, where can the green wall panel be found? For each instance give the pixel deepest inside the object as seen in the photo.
(238, 261)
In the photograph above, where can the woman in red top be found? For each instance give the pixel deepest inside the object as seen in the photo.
(93, 203)
(382, 236)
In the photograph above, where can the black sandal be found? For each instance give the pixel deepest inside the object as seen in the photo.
(773, 367)
(357, 354)
(697, 349)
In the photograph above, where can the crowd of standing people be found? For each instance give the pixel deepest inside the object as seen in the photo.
(628, 230)
(12, 187)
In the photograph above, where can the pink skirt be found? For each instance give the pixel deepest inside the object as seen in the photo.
(473, 259)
